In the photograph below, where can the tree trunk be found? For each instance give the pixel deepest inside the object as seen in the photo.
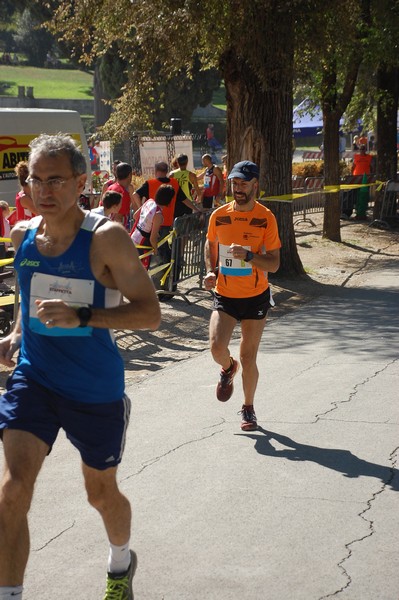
(102, 111)
(332, 210)
(387, 111)
(259, 124)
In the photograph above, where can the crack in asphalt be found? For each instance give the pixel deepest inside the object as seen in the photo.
(336, 404)
(380, 251)
(359, 270)
(341, 565)
(392, 471)
(54, 537)
(309, 368)
(156, 459)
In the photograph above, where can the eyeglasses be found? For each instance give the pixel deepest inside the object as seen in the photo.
(53, 184)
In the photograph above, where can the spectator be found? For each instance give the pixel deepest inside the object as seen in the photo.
(124, 186)
(148, 222)
(362, 165)
(5, 225)
(355, 143)
(174, 164)
(362, 162)
(213, 183)
(179, 205)
(111, 204)
(24, 207)
(69, 374)
(213, 143)
(112, 178)
(187, 179)
(93, 155)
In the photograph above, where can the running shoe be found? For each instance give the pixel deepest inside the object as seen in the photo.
(225, 387)
(248, 418)
(120, 585)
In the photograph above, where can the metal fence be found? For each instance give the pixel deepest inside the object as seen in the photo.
(388, 214)
(313, 200)
(182, 257)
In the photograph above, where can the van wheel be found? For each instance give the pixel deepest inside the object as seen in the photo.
(5, 326)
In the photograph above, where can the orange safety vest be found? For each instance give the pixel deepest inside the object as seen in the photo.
(168, 212)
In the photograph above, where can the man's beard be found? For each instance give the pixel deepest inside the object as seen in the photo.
(243, 198)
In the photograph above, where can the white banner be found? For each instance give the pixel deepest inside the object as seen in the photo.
(154, 149)
(104, 152)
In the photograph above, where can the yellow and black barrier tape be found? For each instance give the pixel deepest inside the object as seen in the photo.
(167, 267)
(328, 189)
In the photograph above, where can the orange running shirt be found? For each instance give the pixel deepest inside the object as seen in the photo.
(255, 230)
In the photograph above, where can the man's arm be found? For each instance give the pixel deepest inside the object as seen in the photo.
(116, 264)
(270, 261)
(194, 182)
(181, 197)
(10, 344)
(135, 200)
(191, 205)
(211, 261)
(219, 176)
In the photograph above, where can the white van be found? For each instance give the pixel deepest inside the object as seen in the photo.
(18, 126)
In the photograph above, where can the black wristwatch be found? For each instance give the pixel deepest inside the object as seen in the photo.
(249, 256)
(84, 313)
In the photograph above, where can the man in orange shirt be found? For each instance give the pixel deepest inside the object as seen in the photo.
(242, 246)
(362, 162)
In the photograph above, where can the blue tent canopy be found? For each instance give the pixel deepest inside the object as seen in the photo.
(307, 123)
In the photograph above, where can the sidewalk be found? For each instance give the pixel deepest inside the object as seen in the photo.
(305, 508)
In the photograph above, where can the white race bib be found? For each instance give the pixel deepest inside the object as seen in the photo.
(75, 292)
(233, 266)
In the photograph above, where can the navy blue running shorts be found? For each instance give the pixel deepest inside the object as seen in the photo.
(255, 307)
(98, 431)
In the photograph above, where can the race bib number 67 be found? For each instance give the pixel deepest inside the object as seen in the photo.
(232, 266)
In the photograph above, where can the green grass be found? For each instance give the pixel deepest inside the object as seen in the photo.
(46, 83)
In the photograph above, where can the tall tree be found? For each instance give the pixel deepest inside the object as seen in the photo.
(251, 43)
(332, 58)
(376, 98)
(32, 39)
(383, 60)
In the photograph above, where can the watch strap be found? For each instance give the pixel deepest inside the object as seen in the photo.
(249, 256)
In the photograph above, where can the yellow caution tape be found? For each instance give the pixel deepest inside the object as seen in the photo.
(6, 261)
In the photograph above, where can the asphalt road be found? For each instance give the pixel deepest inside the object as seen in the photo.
(305, 508)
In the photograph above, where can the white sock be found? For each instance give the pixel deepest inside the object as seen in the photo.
(118, 558)
(8, 593)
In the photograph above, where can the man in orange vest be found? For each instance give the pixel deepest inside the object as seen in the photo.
(180, 204)
(362, 165)
(362, 162)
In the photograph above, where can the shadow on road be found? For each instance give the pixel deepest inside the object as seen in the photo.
(339, 460)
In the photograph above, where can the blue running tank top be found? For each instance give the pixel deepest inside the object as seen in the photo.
(81, 363)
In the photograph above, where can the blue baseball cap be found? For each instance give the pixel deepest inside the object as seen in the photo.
(244, 170)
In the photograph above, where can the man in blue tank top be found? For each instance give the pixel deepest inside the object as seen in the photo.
(73, 268)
